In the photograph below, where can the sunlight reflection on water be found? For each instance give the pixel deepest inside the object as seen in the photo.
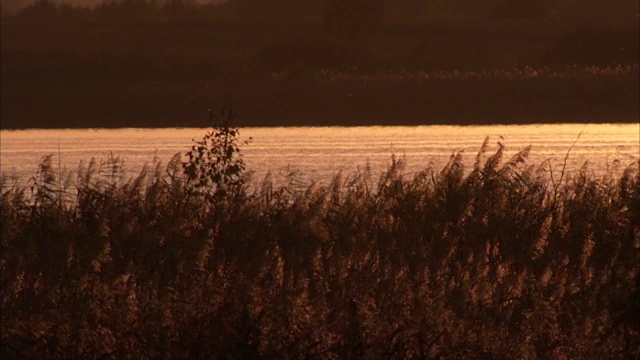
(319, 153)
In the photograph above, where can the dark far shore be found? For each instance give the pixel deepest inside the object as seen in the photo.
(115, 65)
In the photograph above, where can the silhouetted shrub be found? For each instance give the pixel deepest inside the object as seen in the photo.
(214, 166)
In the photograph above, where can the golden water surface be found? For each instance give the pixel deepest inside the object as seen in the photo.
(319, 153)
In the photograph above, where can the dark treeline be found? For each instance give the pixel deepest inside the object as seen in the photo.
(330, 62)
(507, 260)
(314, 10)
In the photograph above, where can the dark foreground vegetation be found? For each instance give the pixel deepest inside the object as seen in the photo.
(137, 63)
(501, 260)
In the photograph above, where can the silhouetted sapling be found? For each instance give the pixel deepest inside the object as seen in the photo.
(214, 164)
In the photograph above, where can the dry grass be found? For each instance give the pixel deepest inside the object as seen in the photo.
(501, 263)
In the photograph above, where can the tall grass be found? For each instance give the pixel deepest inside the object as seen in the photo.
(498, 263)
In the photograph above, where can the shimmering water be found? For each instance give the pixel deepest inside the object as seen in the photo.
(319, 153)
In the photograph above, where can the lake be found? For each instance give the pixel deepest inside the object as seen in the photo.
(318, 153)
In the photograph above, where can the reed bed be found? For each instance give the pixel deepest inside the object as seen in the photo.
(502, 260)
(523, 73)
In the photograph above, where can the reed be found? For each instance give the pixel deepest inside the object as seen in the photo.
(498, 263)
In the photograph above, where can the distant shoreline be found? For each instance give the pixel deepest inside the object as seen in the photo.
(243, 126)
(103, 75)
(608, 99)
(246, 126)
